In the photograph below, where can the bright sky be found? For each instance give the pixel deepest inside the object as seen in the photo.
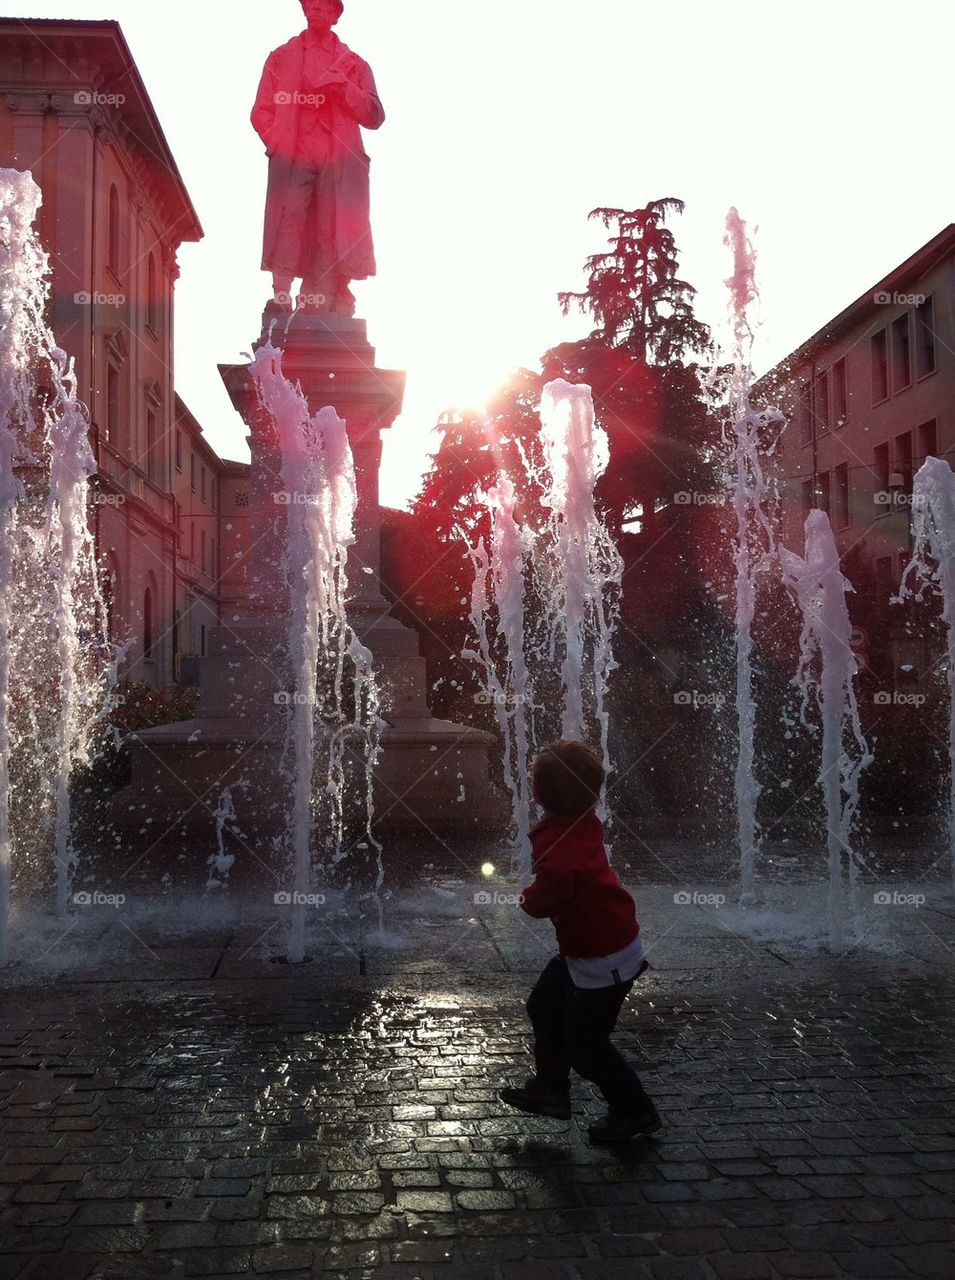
(828, 124)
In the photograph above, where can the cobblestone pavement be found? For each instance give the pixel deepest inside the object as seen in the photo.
(264, 1121)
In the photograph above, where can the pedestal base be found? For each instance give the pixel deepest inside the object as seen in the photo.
(433, 776)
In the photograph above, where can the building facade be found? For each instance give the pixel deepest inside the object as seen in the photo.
(867, 399)
(75, 113)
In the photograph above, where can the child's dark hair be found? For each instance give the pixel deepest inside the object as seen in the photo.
(568, 777)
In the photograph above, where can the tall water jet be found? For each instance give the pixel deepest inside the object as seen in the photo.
(585, 584)
(933, 520)
(10, 494)
(21, 269)
(746, 433)
(820, 590)
(320, 496)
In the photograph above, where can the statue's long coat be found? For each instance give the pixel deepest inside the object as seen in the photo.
(294, 68)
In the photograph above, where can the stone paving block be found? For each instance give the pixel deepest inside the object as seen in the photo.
(677, 1269)
(215, 1262)
(740, 1266)
(932, 1262)
(421, 1251)
(810, 1265)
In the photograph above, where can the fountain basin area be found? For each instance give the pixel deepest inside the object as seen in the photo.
(439, 909)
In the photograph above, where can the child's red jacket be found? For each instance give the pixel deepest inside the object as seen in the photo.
(577, 888)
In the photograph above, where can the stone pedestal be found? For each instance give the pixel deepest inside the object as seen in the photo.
(433, 776)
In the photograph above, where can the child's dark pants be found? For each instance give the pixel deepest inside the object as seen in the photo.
(572, 1027)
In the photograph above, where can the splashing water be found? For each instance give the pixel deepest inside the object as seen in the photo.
(747, 434)
(512, 697)
(933, 518)
(820, 590)
(320, 500)
(220, 863)
(52, 613)
(71, 543)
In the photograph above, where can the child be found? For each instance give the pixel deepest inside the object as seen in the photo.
(576, 1001)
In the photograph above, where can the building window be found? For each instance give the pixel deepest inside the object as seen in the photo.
(213, 562)
(202, 639)
(925, 338)
(880, 367)
(842, 495)
(178, 450)
(808, 497)
(928, 441)
(192, 472)
(904, 460)
(840, 393)
(822, 403)
(112, 404)
(110, 600)
(203, 484)
(114, 235)
(152, 294)
(152, 446)
(804, 412)
(192, 540)
(202, 550)
(177, 623)
(882, 470)
(901, 353)
(884, 578)
(214, 486)
(114, 357)
(823, 489)
(148, 625)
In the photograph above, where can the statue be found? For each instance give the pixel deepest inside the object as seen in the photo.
(314, 98)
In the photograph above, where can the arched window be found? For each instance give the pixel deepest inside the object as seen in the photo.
(154, 461)
(117, 433)
(148, 624)
(152, 294)
(113, 250)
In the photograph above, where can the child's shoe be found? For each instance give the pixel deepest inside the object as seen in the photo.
(538, 1100)
(621, 1126)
